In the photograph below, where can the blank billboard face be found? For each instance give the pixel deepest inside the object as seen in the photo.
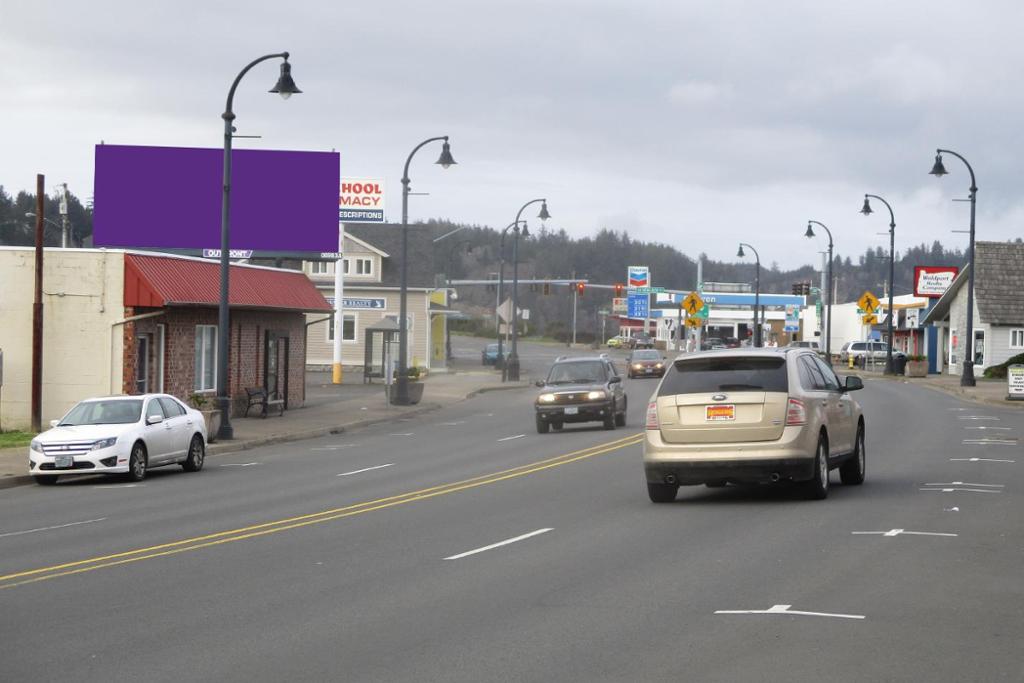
(170, 198)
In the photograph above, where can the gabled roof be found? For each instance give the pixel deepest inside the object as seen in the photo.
(387, 237)
(162, 280)
(998, 285)
(366, 245)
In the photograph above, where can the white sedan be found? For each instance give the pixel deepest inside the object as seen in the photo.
(120, 435)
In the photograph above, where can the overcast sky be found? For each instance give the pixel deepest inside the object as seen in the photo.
(696, 124)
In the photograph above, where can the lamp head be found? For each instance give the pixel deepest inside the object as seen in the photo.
(285, 86)
(866, 209)
(526, 230)
(740, 253)
(544, 215)
(938, 169)
(445, 160)
(810, 231)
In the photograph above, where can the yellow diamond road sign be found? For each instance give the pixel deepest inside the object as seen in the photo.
(693, 304)
(868, 301)
(870, 319)
(694, 322)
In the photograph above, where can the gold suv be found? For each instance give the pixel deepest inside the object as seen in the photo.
(752, 416)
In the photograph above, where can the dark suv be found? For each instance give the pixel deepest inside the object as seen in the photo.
(584, 389)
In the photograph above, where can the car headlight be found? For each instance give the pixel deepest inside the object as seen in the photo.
(546, 398)
(596, 395)
(36, 446)
(637, 366)
(104, 443)
(659, 365)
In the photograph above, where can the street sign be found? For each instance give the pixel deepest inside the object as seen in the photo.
(870, 319)
(694, 322)
(505, 310)
(638, 276)
(792, 319)
(693, 304)
(1015, 383)
(638, 306)
(619, 305)
(524, 313)
(361, 200)
(648, 290)
(868, 301)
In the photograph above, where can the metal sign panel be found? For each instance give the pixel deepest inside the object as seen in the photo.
(933, 281)
(638, 306)
(169, 198)
(619, 305)
(361, 200)
(360, 304)
(792, 319)
(638, 276)
(1015, 383)
(868, 301)
(693, 304)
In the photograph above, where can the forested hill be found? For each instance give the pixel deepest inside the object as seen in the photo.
(472, 253)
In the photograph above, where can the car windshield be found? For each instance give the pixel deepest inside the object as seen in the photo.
(492, 347)
(112, 412)
(577, 372)
(647, 354)
(725, 373)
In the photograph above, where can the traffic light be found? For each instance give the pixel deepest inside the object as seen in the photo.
(796, 289)
(618, 291)
(547, 288)
(579, 288)
(533, 286)
(807, 289)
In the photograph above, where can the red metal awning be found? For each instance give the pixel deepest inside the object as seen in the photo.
(158, 281)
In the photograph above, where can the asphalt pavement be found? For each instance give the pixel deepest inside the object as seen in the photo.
(460, 545)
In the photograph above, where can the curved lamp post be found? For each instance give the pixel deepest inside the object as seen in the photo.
(285, 87)
(866, 210)
(500, 361)
(457, 247)
(512, 366)
(445, 160)
(967, 376)
(828, 282)
(757, 292)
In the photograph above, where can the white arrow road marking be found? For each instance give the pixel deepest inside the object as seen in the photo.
(976, 417)
(334, 448)
(950, 490)
(239, 464)
(979, 460)
(956, 408)
(366, 469)
(784, 609)
(452, 424)
(990, 442)
(963, 483)
(119, 486)
(954, 509)
(1005, 429)
(401, 434)
(898, 532)
(510, 438)
(50, 528)
(499, 544)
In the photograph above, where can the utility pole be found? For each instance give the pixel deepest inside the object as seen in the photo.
(37, 310)
(65, 237)
(575, 293)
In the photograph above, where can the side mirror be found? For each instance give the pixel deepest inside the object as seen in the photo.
(538, 383)
(853, 383)
(54, 423)
(615, 380)
(154, 419)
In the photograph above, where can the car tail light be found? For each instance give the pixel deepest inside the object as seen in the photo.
(652, 415)
(796, 413)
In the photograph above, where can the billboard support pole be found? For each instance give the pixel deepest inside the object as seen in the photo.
(37, 310)
(339, 315)
(285, 87)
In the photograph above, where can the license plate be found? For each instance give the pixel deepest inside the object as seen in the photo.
(649, 370)
(718, 413)
(571, 410)
(64, 461)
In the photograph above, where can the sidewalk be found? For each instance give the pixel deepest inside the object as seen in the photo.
(987, 391)
(330, 409)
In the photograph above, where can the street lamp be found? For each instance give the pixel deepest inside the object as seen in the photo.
(967, 376)
(444, 161)
(501, 289)
(512, 366)
(757, 291)
(457, 247)
(866, 210)
(828, 281)
(285, 87)
(54, 224)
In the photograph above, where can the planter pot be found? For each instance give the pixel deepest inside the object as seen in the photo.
(916, 368)
(212, 420)
(415, 393)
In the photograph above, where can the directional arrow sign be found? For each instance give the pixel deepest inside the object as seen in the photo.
(870, 319)
(693, 304)
(868, 301)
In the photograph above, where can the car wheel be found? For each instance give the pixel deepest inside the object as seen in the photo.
(557, 426)
(662, 493)
(817, 487)
(609, 422)
(196, 455)
(620, 419)
(46, 479)
(852, 471)
(137, 463)
(542, 426)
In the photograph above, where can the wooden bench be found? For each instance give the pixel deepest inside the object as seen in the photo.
(257, 396)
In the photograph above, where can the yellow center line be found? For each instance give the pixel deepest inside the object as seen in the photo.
(266, 528)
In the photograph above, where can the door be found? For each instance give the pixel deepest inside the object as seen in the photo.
(180, 432)
(842, 430)
(822, 401)
(275, 373)
(158, 436)
(142, 364)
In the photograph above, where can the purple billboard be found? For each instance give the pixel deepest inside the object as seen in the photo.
(169, 198)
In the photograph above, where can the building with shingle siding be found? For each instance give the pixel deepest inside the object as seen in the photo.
(998, 309)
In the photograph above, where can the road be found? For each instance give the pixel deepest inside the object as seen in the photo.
(462, 546)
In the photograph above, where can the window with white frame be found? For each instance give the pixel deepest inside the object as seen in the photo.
(348, 329)
(1017, 338)
(321, 268)
(360, 266)
(205, 358)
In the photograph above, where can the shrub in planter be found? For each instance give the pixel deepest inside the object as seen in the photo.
(211, 415)
(917, 366)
